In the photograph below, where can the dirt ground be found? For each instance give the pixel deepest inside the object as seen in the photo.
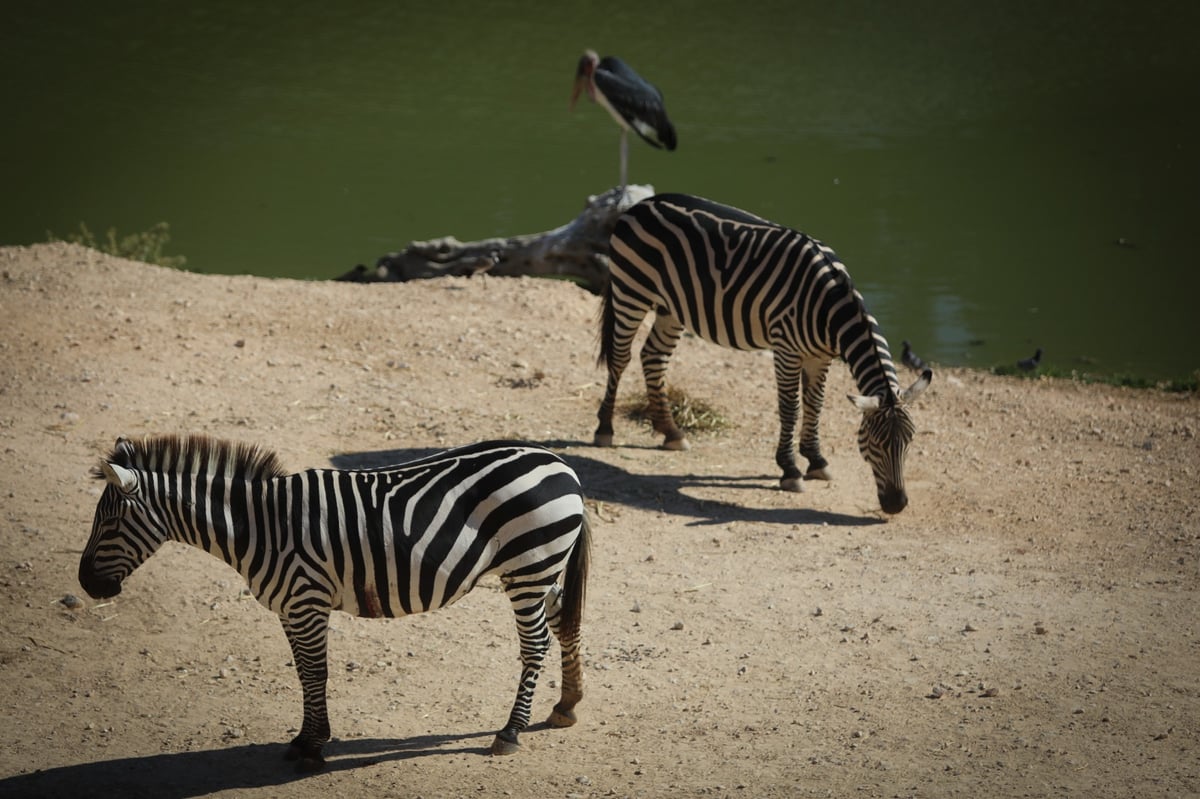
(1027, 627)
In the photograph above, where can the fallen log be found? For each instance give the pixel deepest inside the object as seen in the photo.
(576, 251)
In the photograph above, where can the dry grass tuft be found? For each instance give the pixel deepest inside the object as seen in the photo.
(691, 414)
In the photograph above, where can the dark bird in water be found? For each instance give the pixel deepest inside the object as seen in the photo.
(633, 101)
(1029, 364)
(911, 359)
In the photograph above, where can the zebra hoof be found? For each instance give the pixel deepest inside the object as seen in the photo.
(503, 745)
(561, 718)
(794, 484)
(821, 473)
(677, 445)
(602, 440)
(310, 765)
(307, 762)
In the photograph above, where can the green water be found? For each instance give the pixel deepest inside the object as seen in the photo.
(974, 164)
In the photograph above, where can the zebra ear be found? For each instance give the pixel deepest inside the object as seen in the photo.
(864, 404)
(122, 478)
(912, 392)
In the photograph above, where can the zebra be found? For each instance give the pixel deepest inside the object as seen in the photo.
(383, 542)
(740, 281)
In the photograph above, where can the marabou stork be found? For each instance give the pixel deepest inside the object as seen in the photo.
(632, 100)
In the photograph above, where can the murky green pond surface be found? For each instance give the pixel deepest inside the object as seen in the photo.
(997, 177)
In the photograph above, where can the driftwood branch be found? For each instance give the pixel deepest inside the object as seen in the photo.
(578, 250)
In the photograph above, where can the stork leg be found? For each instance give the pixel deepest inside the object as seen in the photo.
(624, 159)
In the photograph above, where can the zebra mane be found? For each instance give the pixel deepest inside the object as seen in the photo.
(194, 454)
(875, 339)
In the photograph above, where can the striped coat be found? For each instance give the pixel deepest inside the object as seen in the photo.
(740, 281)
(378, 543)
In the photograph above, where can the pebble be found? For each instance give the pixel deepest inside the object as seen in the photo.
(71, 601)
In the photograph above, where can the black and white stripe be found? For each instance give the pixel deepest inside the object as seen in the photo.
(743, 282)
(378, 543)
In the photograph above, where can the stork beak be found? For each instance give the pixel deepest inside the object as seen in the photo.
(580, 81)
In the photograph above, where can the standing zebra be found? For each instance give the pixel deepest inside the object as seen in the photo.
(375, 543)
(743, 282)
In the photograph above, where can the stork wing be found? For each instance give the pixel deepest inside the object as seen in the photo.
(638, 101)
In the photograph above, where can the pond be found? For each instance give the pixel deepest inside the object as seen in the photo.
(997, 177)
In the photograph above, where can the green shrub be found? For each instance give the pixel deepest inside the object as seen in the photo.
(146, 246)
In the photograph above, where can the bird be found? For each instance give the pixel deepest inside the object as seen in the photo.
(634, 102)
(1029, 364)
(911, 359)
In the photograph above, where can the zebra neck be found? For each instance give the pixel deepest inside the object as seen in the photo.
(221, 516)
(866, 352)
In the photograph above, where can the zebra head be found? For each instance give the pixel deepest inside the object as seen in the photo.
(125, 532)
(884, 436)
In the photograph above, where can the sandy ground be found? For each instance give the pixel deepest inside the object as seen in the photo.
(1028, 627)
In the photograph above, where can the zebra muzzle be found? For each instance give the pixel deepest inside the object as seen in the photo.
(98, 587)
(893, 501)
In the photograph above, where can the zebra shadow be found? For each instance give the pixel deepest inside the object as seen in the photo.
(184, 775)
(667, 493)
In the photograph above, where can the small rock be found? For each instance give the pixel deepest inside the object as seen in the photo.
(71, 601)
(677, 625)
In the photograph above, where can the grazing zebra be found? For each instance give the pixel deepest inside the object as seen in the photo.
(743, 282)
(375, 543)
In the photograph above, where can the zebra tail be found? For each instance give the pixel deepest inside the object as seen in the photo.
(608, 325)
(575, 579)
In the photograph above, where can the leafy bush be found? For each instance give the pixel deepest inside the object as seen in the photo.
(146, 246)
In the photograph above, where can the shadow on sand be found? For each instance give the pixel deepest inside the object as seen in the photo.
(657, 492)
(191, 774)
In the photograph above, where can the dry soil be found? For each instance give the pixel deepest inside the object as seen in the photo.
(1027, 627)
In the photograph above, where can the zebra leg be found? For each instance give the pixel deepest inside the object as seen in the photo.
(603, 436)
(787, 388)
(563, 714)
(622, 316)
(656, 356)
(535, 642)
(814, 397)
(308, 633)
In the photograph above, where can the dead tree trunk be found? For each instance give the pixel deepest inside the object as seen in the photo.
(577, 251)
